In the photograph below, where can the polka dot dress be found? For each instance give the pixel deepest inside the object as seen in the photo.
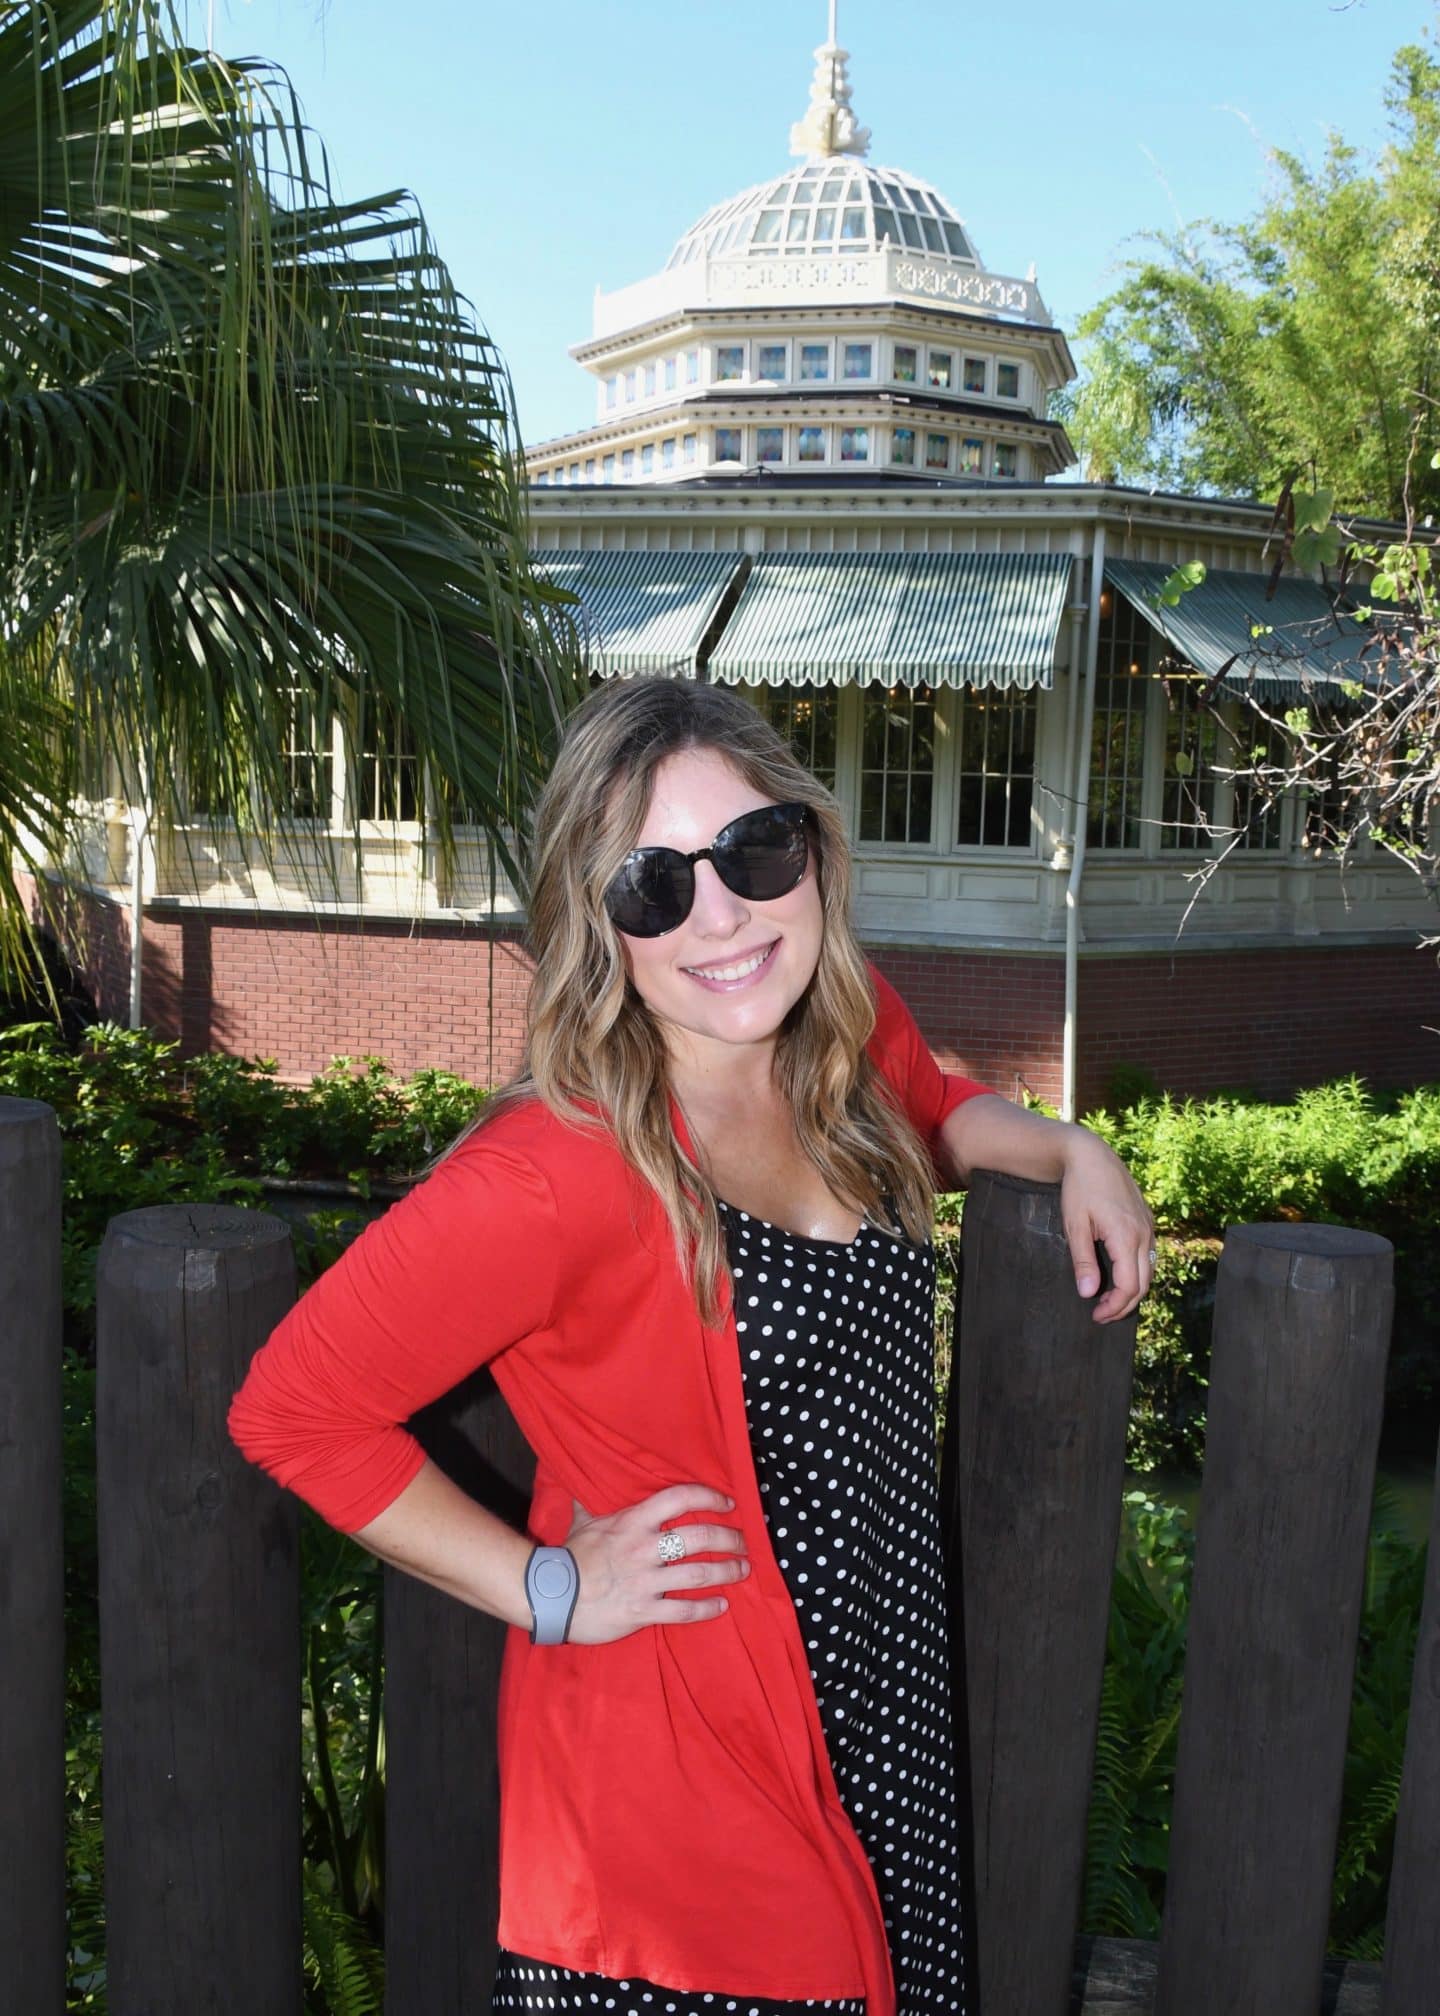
(837, 1351)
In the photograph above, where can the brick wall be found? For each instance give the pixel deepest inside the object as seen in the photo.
(1197, 1021)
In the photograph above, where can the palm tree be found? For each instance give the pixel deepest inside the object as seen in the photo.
(258, 463)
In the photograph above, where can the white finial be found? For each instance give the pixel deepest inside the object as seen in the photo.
(829, 124)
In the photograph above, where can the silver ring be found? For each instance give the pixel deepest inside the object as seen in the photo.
(672, 1547)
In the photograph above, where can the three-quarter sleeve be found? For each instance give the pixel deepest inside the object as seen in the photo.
(897, 1048)
(459, 1269)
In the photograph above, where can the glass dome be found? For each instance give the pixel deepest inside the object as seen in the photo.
(840, 204)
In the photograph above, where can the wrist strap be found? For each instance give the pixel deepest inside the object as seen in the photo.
(552, 1589)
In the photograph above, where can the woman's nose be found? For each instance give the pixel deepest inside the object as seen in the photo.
(716, 909)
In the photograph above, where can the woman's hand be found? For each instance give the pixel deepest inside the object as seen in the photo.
(1099, 1200)
(624, 1582)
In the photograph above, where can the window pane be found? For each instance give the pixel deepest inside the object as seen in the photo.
(933, 240)
(905, 362)
(857, 360)
(612, 391)
(688, 447)
(727, 444)
(1007, 458)
(854, 444)
(609, 468)
(972, 458)
(995, 765)
(974, 374)
(590, 469)
(767, 228)
(667, 453)
(887, 231)
(955, 239)
(852, 224)
(388, 786)
(1007, 380)
(941, 365)
(627, 462)
(825, 224)
(647, 459)
(814, 360)
(902, 446)
(669, 374)
(1118, 738)
(937, 451)
(729, 362)
(772, 361)
(812, 444)
(807, 717)
(797, 226)
(1188, 812)
(897, 735)
(769, 444)
(649, 381)
(629, 386)
(692, 366)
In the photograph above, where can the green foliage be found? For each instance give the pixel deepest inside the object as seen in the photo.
(1232, 354)
(1133, 1787)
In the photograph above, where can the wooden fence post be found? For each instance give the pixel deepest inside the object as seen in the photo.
(1039, 1400)
(199, 1623)
(442, 1680)
(1412, 1924)
(32, 1590)
(1297, 1375)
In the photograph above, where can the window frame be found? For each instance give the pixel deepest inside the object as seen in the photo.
(1007, 364)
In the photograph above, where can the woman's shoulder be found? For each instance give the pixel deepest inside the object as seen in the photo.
(576, 1156)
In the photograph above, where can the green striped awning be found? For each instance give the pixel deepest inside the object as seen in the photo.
(911, 619)
(643, 612)
(1212, 622)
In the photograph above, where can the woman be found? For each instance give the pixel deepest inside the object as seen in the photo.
(694, 1240)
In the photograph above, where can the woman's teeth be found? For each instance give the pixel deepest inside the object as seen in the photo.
(737, 972)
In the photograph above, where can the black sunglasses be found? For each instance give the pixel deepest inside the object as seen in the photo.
(760, 855)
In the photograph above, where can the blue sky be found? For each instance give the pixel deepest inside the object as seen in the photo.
(559, 147)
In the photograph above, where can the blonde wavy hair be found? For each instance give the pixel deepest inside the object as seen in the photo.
(595, 1055)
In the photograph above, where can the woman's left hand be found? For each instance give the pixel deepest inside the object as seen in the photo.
(1099, 1200)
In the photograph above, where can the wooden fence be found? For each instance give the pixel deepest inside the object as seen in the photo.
(200, 1642)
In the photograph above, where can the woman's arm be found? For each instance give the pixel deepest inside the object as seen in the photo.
(1098, 1196)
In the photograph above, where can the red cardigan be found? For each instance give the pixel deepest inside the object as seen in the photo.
(667, 1805)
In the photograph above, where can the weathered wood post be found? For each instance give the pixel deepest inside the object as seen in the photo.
(1039, 1398)
(199, 1623)
(442, 1679)
(1412, 1924)
(32, 1592)
(1297, 1373)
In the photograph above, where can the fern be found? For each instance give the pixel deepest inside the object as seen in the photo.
(344, 1969)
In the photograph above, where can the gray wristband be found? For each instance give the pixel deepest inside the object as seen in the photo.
(552, 1586)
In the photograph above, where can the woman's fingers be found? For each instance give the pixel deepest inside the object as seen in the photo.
(676, 1499)
(700, 1574)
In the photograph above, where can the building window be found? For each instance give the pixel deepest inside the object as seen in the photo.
(906, 363)
(307, 758)
(902, 447)
(808, 718)
(769, 444)
(727, 444)
(612, 391)
(630, 388)
(942, 364)
(609, 468)
(772, 363)
(688, 446)
(1007, 459)
(669, 374)
(692, 367)
(667, 453)
(974, 380)
(388, 786)
(814, 361)
(574, 472)
(729, 362)
(972, 458)
(1117, 741)
(589, 468)
(854, 444)
(1007, 380)
(647, 459)
(1188, 812)
(897, 763)
(995, 765)
(1248, 746)
(811, 445)
(627, 462)
(937, 451)
(858, 360)
(649, 381)
(544, 477)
